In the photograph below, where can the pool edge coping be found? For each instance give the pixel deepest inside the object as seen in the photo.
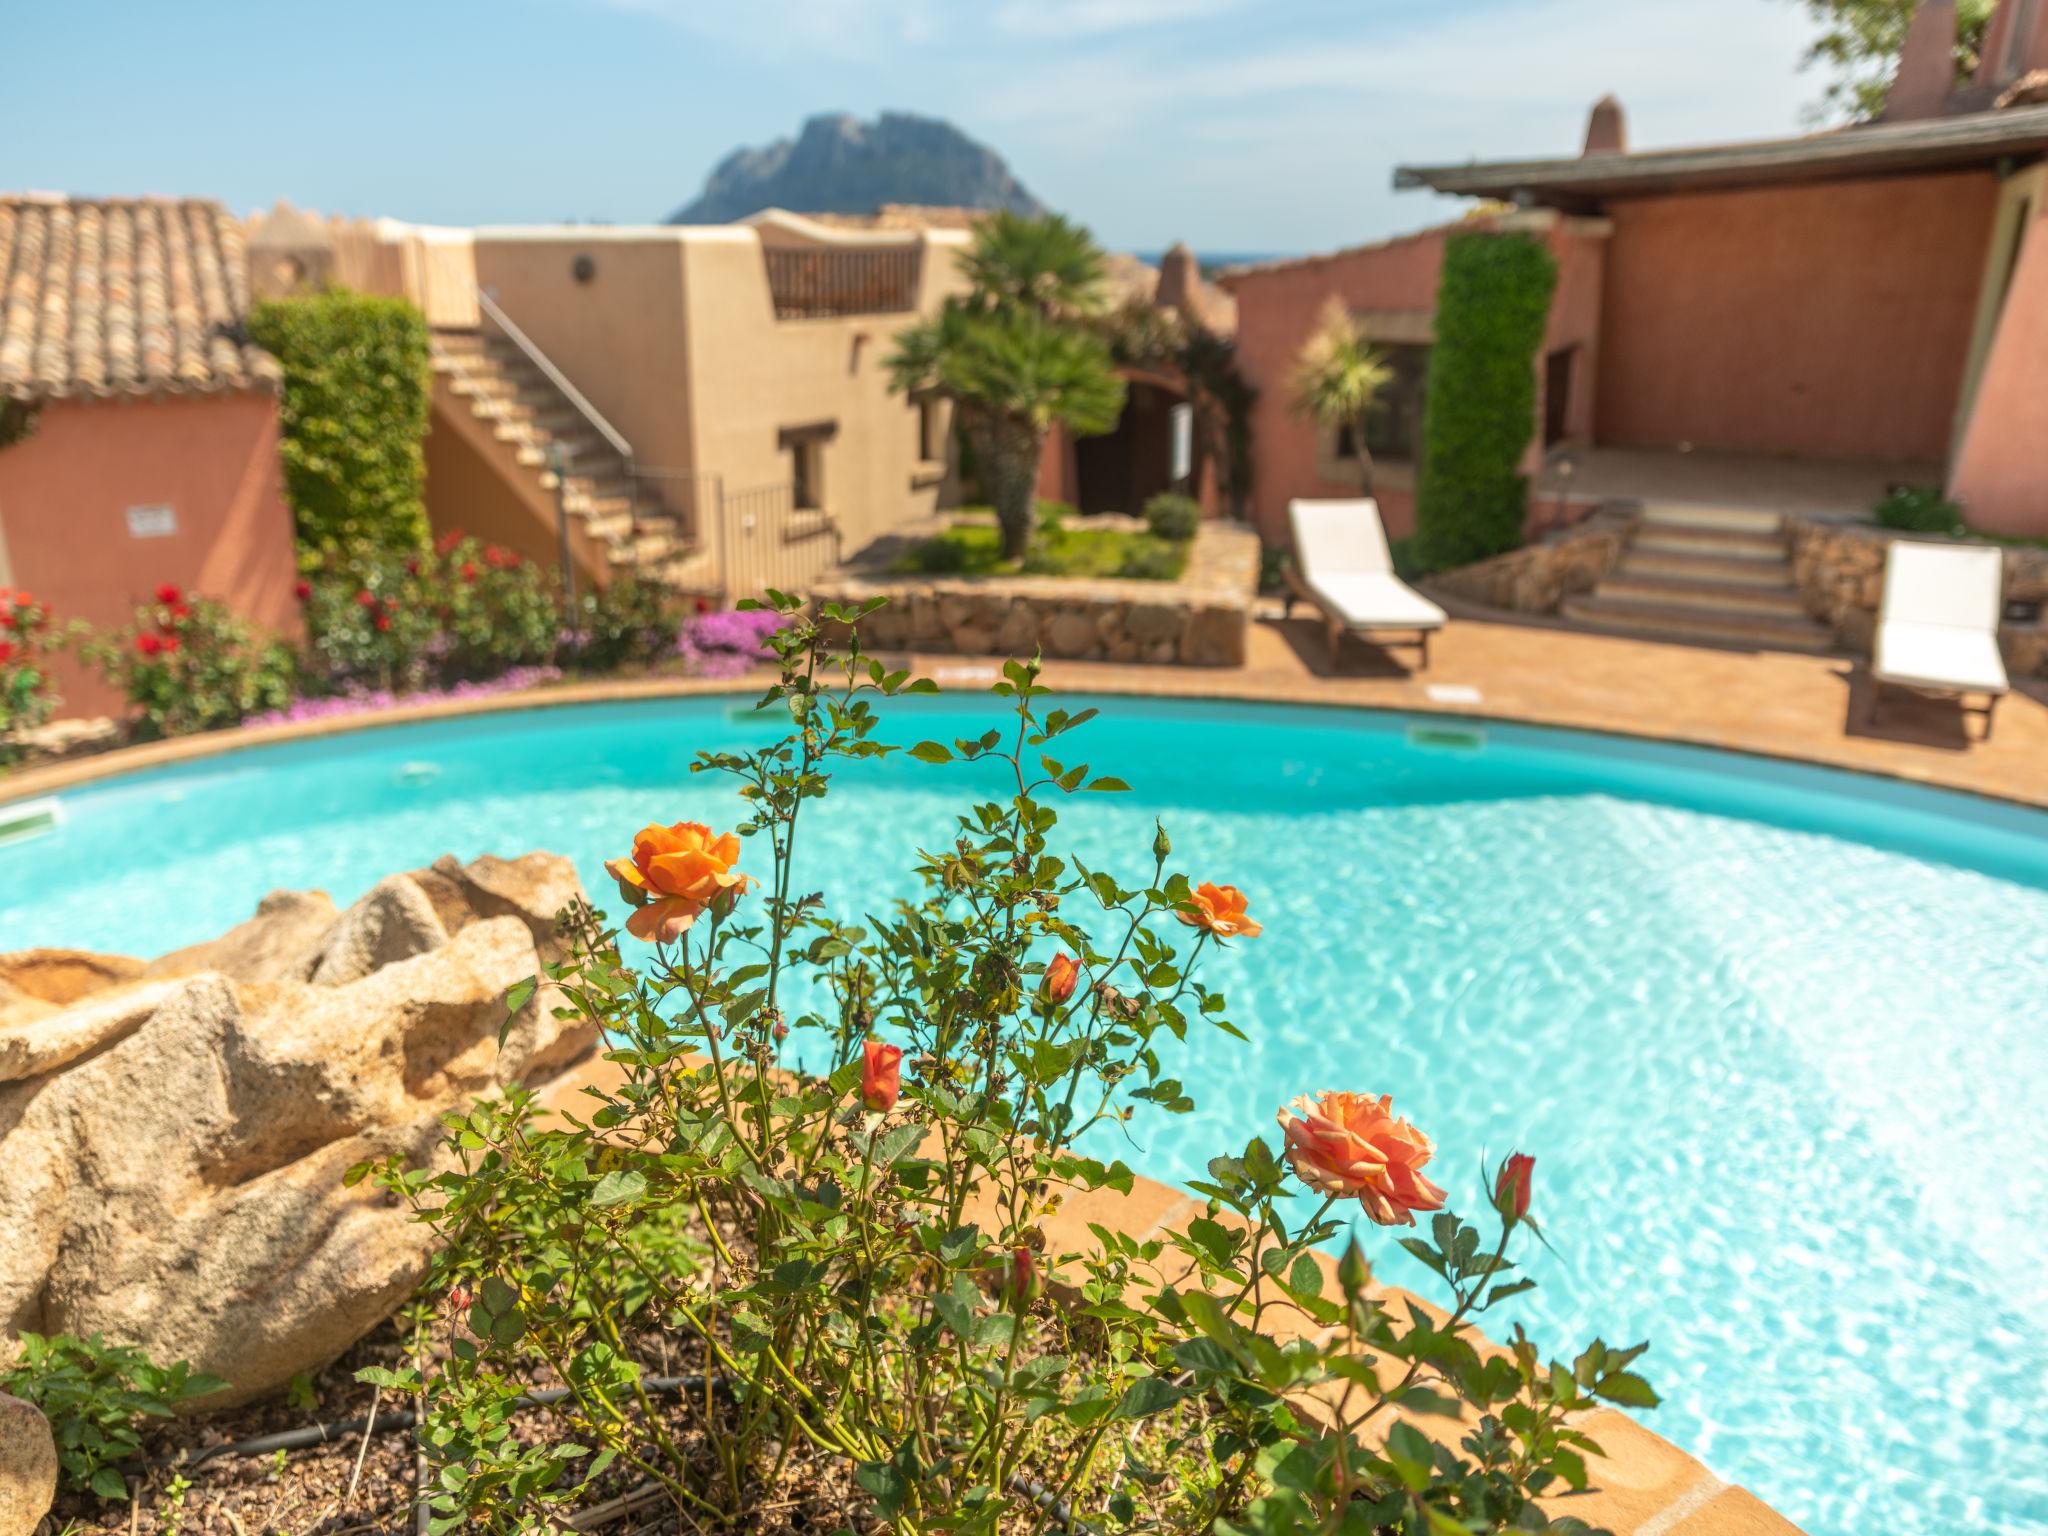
(55, 778)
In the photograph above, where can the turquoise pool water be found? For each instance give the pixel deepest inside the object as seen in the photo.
(1775, 1035)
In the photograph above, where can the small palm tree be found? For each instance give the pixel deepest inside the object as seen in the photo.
(1339, 377)
(1017, 357)
(1012, 375)
(1048, 264)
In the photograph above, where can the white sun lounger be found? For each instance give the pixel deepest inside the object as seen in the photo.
(1937, 624)
(1342, 567)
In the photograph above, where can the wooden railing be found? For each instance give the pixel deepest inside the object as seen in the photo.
(814, 284)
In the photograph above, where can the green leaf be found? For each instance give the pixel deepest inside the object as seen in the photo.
(1627, 1389)
(619, 1187)
(109, 1484)
(931, 752)
(1146, 1396)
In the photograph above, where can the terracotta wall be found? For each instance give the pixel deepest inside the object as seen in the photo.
(1277, 312)
(65, 494)
(2001, 467)
(1828, 321)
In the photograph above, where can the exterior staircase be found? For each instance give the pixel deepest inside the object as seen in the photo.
(616, 523)
(1698, 573)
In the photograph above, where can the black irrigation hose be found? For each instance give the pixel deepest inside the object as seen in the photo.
(405, 1418)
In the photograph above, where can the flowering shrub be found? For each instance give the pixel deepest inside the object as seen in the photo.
(27, 696)
(728, 643)
(854, 1267)
(188, 663)
(629, 620)
(459, 611)
(363, 701)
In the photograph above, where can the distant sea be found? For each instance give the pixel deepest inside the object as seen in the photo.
(1215, 261)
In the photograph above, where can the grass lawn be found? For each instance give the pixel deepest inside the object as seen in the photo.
(977, 551)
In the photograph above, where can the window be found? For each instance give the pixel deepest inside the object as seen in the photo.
(1393, 428)
(931, 433)
(805, 446)
(805, 475)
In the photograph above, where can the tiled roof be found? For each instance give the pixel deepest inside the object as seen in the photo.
(124, 296)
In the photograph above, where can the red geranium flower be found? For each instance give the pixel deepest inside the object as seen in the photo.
(170, 645)
(168, 593)
(178, 614)
(383, 621)
(6, 651)
(703, 605)
(469, 570)
(149, 644)
(366, 599)
(448, 540)
(302, 590)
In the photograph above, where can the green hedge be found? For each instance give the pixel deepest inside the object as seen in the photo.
(1492, 305)
(358, 385)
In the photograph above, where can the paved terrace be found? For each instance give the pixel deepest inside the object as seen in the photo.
(1777, 704)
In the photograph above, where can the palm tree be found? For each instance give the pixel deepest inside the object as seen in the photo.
(1016, 357)
(1338, 378)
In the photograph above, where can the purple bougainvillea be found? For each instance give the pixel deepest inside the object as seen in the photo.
(369, 701)
(726, 644)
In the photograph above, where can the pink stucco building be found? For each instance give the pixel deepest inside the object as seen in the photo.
(1841, 311)
(151, 450)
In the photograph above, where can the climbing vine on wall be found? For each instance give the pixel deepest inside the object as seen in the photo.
(1493, 302)
(358, 386)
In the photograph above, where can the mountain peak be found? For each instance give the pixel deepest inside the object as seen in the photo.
(840, 164)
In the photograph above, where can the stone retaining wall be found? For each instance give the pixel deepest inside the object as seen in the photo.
(1538, 577)
(1200, 620)
(1839, 568)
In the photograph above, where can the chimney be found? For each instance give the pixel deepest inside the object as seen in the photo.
(1179, 276)
(1606, 129)
(1927, 64)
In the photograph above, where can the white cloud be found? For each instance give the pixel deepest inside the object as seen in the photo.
(1085, 18)
(835, 28)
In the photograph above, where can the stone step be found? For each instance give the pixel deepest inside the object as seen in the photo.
(1728, 626)
(1680, 592)
(1682, 514)
(1725, 543)
(1685, 565)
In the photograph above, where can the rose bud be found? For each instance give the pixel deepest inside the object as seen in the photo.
(1060, 977)
(1511, 1186)
(1021, 1282)
(881, 1075)
(1354, 1274)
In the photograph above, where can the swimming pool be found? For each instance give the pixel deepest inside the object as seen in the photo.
(1774, 1034)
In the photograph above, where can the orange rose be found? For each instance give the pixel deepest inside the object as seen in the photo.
(1220, 909)
(674, 874)
(1061, 975)
(1350, 1144)
(881, 1075)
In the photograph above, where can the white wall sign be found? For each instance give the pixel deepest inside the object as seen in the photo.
(154, 522)
(1183, 442)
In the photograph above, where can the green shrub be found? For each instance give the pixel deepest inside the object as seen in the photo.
(1493, 302)
(1920, 509)
(27, 695)
(1053, 516)
(934, 557)
(461, 611)
(358, 386)
(96, 1395)
(631, 620)
(1275, 561)
(189, 663)
(1173, 517)
(1152, 562)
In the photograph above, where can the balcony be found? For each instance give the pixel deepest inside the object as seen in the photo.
(813, 284)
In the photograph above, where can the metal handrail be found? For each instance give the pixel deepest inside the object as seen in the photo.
(524, 429)
(555, 376)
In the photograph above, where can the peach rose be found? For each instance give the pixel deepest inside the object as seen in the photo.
(1061, 976)
(1350, 1144)
(881, 1075)
(1220, 909)
(673, 875)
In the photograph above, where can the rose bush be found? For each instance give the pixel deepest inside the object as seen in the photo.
(190, 663)
(28, 697)
(808, 1249)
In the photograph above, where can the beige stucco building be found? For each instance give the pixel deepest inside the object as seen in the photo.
(716, 397)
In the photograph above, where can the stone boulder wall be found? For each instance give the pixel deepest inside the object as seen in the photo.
(1839, 569)
(1538, 577)
(174, 1138)
(1201, 620)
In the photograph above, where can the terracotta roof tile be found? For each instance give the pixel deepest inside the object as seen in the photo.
(124, 296)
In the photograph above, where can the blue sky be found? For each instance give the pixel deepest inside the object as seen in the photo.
(1238, 125)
